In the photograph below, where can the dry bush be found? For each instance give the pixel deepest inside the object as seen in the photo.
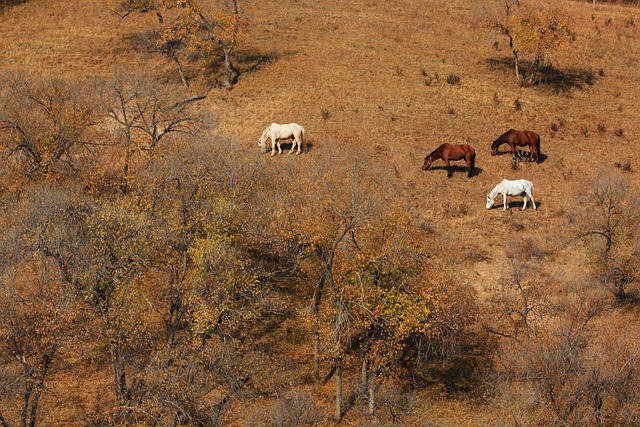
(607, 222)
(453, 80)
(300, 409)
(46, 126)
(41, 316)
(567, 365)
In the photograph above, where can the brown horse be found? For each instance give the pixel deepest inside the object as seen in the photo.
(521, 139)
(449, 152)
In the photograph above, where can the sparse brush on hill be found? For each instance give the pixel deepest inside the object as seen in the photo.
(377, 290)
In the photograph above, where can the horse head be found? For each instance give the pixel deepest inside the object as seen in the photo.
(427, 163)
(262, 142)
(489, 201)
(494, 146)
(262, 145)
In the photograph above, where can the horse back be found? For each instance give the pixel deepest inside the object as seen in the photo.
(458, 151)
(521, 137)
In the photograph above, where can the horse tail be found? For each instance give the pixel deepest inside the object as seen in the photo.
(302, 139)
(538, 150)
(473, 159)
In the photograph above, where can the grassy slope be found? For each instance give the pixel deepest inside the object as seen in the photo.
(353, 74)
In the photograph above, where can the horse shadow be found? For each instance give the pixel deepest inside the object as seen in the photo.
(524, 156)
(288, 144)
(459, 169)
(515, 204)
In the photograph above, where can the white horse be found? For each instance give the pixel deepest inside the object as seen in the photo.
(519, 187)
(277, 132)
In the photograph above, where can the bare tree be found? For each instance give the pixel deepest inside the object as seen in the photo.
(608, 224)
(143, 117)
(39, 307)
(45, 126)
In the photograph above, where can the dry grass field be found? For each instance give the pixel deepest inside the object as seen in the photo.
(369, 81)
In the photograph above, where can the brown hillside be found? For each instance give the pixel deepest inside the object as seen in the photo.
(368, 80)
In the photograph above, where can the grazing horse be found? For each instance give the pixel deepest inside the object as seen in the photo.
(277, 132)
(520, 138)
(449, 152)
(519, 187)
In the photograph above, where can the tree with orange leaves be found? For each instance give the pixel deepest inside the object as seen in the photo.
(375, 284)
(533, 30)
(206, 27)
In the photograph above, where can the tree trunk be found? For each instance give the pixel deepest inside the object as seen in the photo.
(515, 55)
(364, 374)
(46, 362)
(119, 374)
(534, 70)
(372, 396)
(25, 406)
(338, 390)
(317, 298)
(185, 82)
(316, 349)
(230, 70)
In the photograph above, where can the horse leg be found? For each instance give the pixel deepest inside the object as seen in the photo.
(533, 202)
(279, 148)
(524, 202)
(469, 165)
(294, 141)
(273, 147)
(505, 206)
(299, 141)
(449, 171)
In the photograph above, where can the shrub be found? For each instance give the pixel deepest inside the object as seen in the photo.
(517, 105)
(453, 80)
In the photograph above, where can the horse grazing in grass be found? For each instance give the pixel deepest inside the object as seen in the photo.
(449, 152)
(520, 138)
(278, 132)
(520, 187)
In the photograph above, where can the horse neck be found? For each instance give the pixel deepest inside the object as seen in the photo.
(494, 193)
(436, 154)
(498, 142)
(265, 132)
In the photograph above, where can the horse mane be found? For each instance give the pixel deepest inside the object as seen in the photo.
(264, 132)
(434, 151)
